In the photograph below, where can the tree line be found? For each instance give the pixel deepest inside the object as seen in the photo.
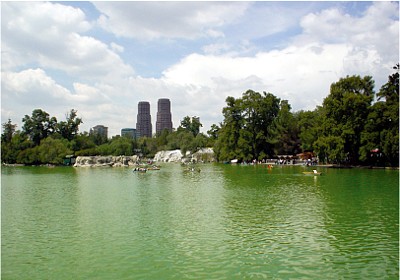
(354, 125)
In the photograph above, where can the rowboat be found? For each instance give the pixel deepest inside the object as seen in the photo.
(314, 172)
(154, 167)
(139, 169)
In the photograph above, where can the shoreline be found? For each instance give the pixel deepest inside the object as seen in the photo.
(97, 165)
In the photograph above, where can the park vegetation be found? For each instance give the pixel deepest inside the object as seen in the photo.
(353, 126)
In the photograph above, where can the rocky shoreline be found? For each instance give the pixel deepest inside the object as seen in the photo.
(106, 161)
(203, 155)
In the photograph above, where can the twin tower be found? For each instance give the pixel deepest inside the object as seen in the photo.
(164, 118)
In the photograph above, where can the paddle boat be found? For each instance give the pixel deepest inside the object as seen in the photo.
(314, 172)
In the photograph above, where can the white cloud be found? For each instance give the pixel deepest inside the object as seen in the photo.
(154, 20)
(291, 73)
(333, 44)
(117, 48)
(32, 87)
(49, 35)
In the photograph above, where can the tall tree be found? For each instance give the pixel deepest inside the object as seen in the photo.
(287, 130)
(246, 132)
(309, 125)
(226, 146)
(39, 126)
(259, 113)
(69, 129)
(8, 131)
(346, 109)
(381, 134)
(191, 124)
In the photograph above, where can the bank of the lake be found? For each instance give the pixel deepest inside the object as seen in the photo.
(225, 222)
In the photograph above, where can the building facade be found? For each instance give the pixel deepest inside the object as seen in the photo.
(164, 117)
(143, 125)
(100, 130)
(130, 133)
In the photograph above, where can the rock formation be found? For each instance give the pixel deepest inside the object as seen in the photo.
(98, 161)
(168, 156)
(203, 155)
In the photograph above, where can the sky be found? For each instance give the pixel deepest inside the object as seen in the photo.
(102, 58)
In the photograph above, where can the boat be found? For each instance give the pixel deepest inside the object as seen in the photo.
(154, 167)
(139, 169)
(314, 172)
(192, 169)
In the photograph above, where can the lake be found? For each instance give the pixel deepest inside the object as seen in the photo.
(225, 222)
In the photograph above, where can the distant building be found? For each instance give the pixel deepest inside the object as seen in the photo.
(143, 125)
(164, 118)
(130, 132)
(100, 130)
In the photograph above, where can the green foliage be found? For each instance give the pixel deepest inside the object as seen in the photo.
(213, 132)
(39, 126)
(52, 151)
(287, 131)
(382, 127)
(247, 131)
(8, 131)
(345, 113)
(68, 129)
(82, 142)
(309, 125)
(190, 124)
(10, 150)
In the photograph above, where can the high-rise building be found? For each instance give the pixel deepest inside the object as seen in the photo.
(99, 130)
(130, 133)
(164, 118)
(143, 125)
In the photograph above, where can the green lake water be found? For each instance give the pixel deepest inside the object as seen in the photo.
(226, 222)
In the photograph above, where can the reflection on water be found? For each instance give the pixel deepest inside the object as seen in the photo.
(226, 222)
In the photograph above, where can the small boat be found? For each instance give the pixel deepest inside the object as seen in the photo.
(154, 167)
(192, 169)
(314, 172)
(139, 169)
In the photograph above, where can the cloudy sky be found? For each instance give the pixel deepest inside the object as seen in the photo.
(102, 58)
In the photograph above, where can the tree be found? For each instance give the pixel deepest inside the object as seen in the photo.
(8, 132)
(11, 150)
(53, 151)
(287, 130)
(309, 124)
(162, 139)
(247, 130)
(39, 126)
(121, 146)
(191, 124)
(226, 146)
(82, 141)
(381, 132)
(69, 129)
(213, 132)
(345, 113)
